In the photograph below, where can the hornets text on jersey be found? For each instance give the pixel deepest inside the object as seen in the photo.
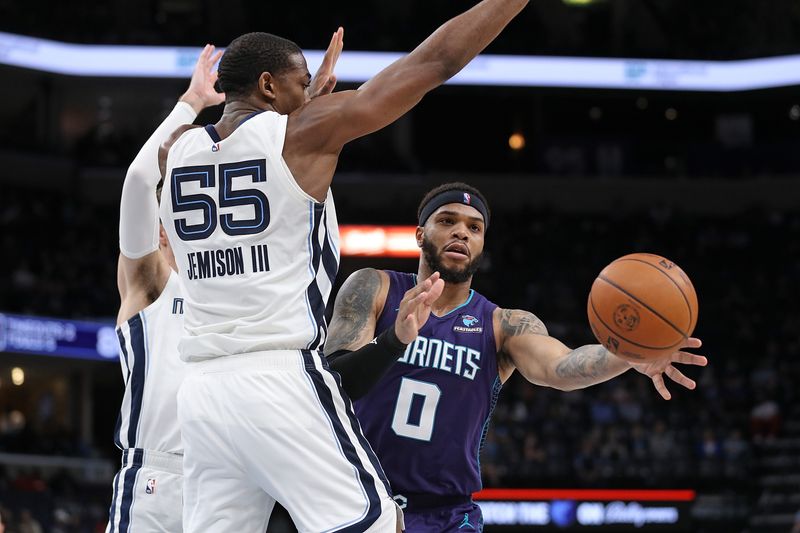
(427, 417)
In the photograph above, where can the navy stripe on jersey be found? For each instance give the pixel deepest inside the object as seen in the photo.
(112, 513)
(124, 352)
(128, 491)
(313, 293)
(365, 478)
(212, 132)
(136, 383)
(328, 255)
(357, 428)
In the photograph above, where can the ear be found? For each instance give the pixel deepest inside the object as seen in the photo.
(420, 231)
(266, 86)
(162, 236)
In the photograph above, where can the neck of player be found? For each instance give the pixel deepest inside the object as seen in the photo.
(453, 295)
(238, 110)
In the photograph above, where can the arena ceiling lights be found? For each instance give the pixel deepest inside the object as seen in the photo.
(485, 70)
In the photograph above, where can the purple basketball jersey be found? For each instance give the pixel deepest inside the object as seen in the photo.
(427, 417)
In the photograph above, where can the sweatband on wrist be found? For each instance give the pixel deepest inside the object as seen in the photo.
(363, 368)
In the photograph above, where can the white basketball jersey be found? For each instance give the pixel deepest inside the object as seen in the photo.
(256, 254)
(153, 372)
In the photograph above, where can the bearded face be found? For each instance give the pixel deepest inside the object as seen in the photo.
(451, 271)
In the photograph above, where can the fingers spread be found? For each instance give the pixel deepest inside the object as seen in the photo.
(658, 381)
(678, 377)
(689, 359)
(692, 342)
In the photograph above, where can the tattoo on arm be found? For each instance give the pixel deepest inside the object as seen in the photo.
(353, 308)
(587, 362)
(515, 323)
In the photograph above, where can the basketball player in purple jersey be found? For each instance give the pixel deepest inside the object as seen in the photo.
(428, 415)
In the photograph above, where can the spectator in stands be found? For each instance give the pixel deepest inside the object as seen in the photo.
(27, 523)
(765, 419)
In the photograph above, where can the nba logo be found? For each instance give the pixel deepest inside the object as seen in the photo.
(467, 198)
(215, 147)
(151, 487)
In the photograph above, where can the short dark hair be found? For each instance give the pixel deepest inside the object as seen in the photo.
(452, 186)
(248, 56)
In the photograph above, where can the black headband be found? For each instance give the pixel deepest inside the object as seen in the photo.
(453, 197)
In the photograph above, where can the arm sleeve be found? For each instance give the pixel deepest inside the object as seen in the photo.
(138, 212)
(363, 368)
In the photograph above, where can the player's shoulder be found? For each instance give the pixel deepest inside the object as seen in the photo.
(166, 146)
(367, 287)
(183, 131)
(366, 279)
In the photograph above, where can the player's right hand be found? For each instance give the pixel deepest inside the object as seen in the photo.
(201, 92)
(324, 80)
(415, 307)
(657, 368)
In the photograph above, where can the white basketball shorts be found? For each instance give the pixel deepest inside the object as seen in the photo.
(276, 426)
(148, 493)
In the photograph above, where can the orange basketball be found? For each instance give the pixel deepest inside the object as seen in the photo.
(642, 306)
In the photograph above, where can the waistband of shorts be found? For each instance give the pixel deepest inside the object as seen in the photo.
(411, 502)
(167, 462)
(271, 359)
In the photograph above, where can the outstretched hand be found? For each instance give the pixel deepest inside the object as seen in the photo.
(415, 307)
(656, 368)
(324, 80)
(201, 92)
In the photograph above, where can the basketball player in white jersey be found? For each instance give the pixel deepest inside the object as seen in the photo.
(247, 208)
(148, 488)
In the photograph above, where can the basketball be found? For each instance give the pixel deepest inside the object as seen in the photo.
(642, 306)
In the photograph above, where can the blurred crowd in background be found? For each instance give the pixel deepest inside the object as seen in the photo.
(616, 434)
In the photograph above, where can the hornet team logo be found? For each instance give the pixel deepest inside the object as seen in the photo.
(467, 198)
(470, 325)
(469, 320)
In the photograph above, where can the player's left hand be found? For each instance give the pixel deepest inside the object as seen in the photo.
(656, 368)
(324, 80)
(201, 92)
(415, 307)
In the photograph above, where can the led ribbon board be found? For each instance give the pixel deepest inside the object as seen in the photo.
(58, 337)
(485, 70)
(591, 509)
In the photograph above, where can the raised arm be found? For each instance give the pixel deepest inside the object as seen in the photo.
(541, 359)
(400, 86)
(352, 348)
(142, 270)
(326, 124)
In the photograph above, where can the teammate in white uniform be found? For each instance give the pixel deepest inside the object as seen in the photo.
(247, 207)
(148, 489)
